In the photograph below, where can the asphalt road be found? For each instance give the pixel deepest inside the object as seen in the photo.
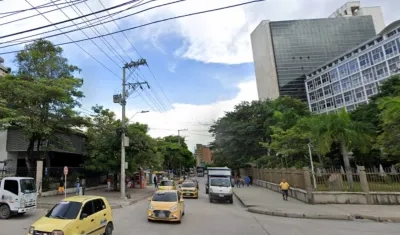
(218, 218)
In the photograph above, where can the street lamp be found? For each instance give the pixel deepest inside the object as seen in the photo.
(312, 165)
(143, 111)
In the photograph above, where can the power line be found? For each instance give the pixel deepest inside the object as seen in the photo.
(10, 13)
(154, 22)
(24, 18)
(69, 20)
(96, 24)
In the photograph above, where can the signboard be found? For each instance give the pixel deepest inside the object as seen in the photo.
(65, 170)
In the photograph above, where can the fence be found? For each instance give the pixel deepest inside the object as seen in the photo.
(294, 176)
(52, 176)
(378, 180)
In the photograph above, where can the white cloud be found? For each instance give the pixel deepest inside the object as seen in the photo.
(172, 67)
(195, 118)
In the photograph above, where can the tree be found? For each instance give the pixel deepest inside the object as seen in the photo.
(41, 97)
(339, 128)
(176, 153)
(390, 119)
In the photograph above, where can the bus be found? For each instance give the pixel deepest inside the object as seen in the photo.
(200, 171)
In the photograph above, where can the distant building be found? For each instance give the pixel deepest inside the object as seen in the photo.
(348, 80)
(203, 155)
(353, 8)
(3, 69)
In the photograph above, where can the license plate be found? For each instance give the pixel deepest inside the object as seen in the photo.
(187, 194)
(161, 215)
(221, 195)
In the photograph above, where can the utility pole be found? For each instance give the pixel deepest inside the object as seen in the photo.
(179, 142)
(121, 99)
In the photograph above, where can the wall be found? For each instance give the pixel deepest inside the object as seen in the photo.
(377, 16)
(296, 193)
(264, 62)
(3, 146)
(207, 155)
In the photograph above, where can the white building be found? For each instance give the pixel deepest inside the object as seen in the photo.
(353, 8)
(350, 79)
(3, 69)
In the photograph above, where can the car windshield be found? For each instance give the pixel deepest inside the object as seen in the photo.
(188, 185)
(165, 197)
(65, 210)
(28, 186)
(166, 183)
(221, 182)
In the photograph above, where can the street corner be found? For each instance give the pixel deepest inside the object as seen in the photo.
(148, 194)
(240, 199)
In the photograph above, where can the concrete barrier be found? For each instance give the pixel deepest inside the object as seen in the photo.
(70, 190)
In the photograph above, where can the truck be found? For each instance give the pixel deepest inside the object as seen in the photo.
(17, 196)
(219, 184)
(200, 171)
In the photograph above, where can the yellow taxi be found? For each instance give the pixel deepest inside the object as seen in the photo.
(76, 215)
(189, 189)
(180, 180)
(167, 185)
(166, 205)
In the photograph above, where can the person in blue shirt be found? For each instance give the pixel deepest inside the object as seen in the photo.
(247, 180)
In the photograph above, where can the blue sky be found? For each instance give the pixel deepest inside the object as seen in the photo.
(203, 64)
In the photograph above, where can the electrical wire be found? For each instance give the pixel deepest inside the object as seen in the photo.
(153, 22)
(69, 20)
(10, 13)
(97, 24)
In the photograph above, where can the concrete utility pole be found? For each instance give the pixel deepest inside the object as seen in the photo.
(122, 100)
(179, 142)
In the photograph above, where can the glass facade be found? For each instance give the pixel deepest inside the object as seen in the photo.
(303, 45)
(355, 76)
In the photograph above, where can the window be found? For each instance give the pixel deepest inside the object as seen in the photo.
(377, 55)
(166, 183)
(339, 101)
(336, 87)
(165, 197)
(99, 205)
(65, 210)
(353, 66)
(330, 104)
(343, 71)
(188, 185)
(394, 65)
(359, 94)
(88, 208)
(381, 70)
(325, 78)
(321, 106)
(371, 89)
(334, 75)
(368, 75)
(310, 85)
(328, 90)
(221, 182)
(348, 97)
(350, 108)
(28, 186)
(317, 82)
(11, 186)
(391, 48)
(356, 80)
(346, 85)
(312, 96)
(320, 94)
(314, 108)
(364, 61)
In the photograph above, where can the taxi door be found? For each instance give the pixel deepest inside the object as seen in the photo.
(87, 225)
(181, 203)
(101, 215)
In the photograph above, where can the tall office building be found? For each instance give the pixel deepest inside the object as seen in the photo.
(353, 8)
(352, 78)
(284, 51)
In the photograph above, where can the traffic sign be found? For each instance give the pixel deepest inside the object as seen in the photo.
(65, 170)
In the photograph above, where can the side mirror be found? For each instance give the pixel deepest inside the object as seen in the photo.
(84, 215)
(149, 199)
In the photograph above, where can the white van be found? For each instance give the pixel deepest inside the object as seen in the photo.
(17, 196)
(220, 189)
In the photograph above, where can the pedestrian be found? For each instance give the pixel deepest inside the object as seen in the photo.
(237, 182)
(285, 189)
(247, 180)
(155, 181)
(61, 187)
(77, 185)
(242, 182)
(108, 184)
(251, 179)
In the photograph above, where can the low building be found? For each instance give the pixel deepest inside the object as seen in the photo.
(351, 78)
(3, 69)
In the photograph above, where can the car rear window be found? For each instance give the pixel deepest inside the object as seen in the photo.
(65, 210)
(166, 183)
(188, 185)
(165, 197)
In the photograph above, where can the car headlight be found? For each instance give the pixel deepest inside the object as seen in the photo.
(174, 208)
(31, 230)
(57, 232)
(150, 207)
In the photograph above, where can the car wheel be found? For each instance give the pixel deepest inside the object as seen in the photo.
(183, 213)
(231, 201)
(211, 200)
(5, 212)
(109, 229)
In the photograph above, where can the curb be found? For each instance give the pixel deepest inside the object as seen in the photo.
(240, 200)
(141, 198)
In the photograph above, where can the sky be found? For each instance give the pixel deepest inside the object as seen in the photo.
(199, 67)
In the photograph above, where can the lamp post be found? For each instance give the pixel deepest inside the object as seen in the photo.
(143, 111)
(312, 165)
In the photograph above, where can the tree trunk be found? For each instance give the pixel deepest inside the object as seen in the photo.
(347, 166)
(28, 156)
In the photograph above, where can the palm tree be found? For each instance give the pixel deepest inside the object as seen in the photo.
(327, 129)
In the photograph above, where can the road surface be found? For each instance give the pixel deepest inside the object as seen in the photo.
(204, 218)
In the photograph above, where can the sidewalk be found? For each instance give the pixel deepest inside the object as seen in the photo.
(264, 201)
(113, 197)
